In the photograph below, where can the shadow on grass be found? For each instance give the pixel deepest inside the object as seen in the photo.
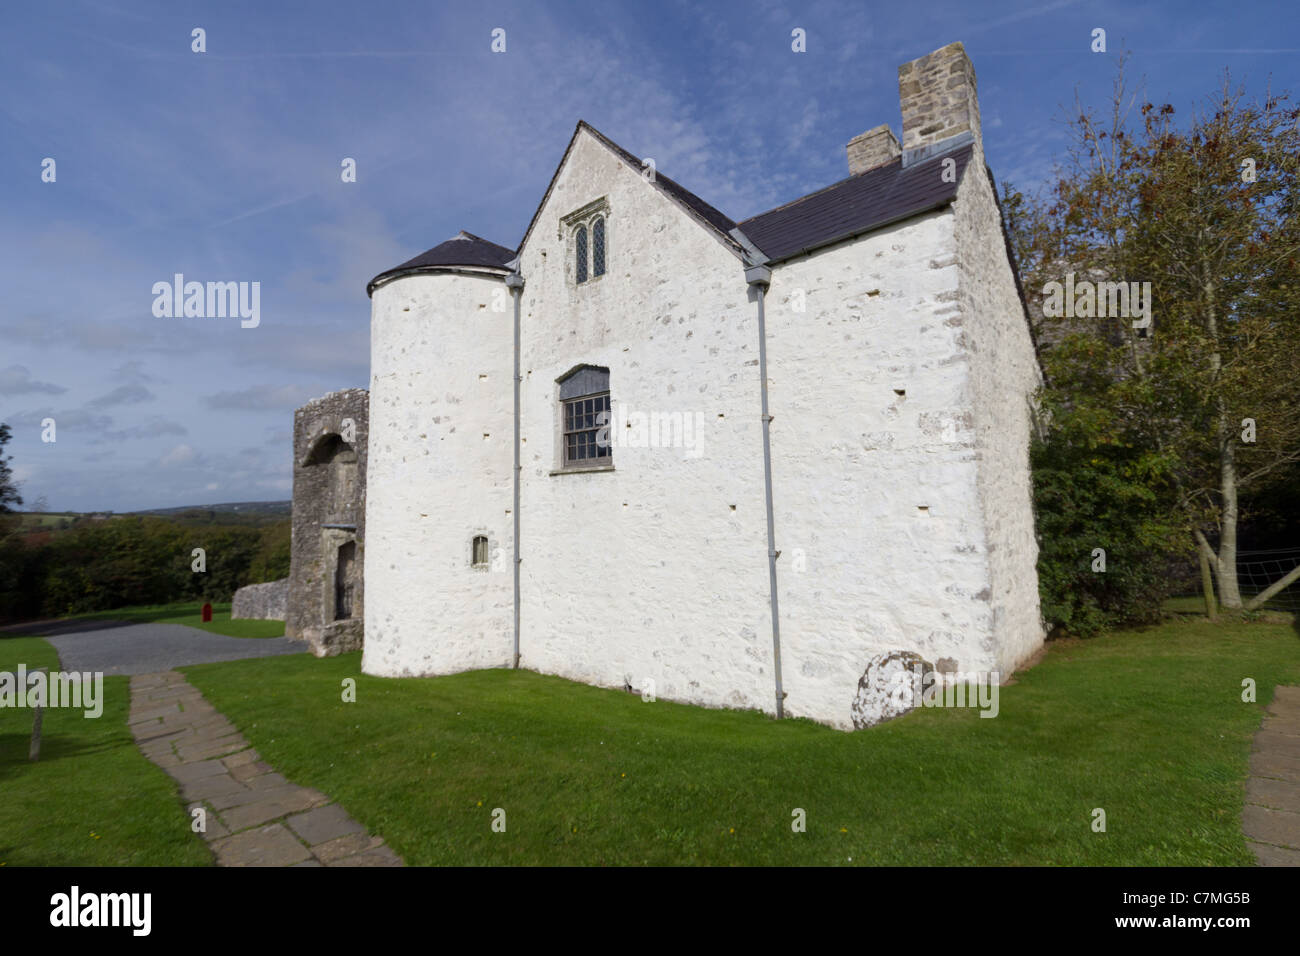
(55, 748)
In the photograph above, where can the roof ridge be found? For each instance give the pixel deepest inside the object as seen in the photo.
(707, 215)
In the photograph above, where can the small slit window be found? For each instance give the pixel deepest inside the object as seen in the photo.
(479, 552)
(581, 253)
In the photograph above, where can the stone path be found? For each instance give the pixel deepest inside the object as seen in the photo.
(1271, 819)
(255, 817)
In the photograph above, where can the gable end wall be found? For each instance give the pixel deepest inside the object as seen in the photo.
(1004, 377)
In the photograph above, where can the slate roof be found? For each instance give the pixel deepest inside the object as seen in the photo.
(855, 205)
(465, 249)
(845, 209)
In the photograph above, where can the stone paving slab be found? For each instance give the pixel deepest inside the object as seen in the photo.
(1274, 855)
(271, 845)
(254, 816)
(1271, 817)
(323, 824)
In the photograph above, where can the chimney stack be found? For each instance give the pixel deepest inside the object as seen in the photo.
(937, 94)
(875, 147)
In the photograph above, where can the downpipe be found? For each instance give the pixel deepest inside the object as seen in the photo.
(759, 277)
(515, 283)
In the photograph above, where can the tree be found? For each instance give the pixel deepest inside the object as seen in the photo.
(8, 487)
(1209, 216)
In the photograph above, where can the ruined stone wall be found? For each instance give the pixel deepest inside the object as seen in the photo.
(329, 488)
(261, 602)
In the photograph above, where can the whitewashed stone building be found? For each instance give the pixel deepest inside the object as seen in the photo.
(665, 546)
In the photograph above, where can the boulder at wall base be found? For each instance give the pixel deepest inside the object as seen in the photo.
(261, 602)
(886, 688)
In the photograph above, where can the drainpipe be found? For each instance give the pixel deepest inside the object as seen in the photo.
(759, 278)
(515, 283)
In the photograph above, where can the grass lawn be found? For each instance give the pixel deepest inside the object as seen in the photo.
(191, 614)
(92, 799)
(1148, 725)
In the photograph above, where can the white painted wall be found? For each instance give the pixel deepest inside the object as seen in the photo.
(441, 439)
(645, 571)
(658, 569)
(854, 463)
(1004, 376)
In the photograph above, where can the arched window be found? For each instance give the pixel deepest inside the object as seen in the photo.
(598, 247)
(582, 253)
(479, 552)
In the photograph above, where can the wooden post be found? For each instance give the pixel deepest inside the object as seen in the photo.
(38, 714)
(1207, 584)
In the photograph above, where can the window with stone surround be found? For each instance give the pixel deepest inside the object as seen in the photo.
(586, 232)
(479, 552)
(584, 418)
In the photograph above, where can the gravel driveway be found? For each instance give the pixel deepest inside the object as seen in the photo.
(117, 648)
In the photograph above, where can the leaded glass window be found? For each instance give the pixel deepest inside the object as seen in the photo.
(582, 253)
(598, 248)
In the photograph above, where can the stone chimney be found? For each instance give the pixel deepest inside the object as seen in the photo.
(875, 147)
(937, 94)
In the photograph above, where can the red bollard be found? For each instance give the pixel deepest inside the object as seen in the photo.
(207, 613)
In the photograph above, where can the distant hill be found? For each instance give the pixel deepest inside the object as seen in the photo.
(253, 513)
(232, 512)
(276, 509)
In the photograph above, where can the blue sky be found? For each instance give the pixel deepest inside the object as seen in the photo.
(225, 166)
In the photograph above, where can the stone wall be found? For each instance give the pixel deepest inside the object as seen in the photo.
(261, 602)
(329, 489)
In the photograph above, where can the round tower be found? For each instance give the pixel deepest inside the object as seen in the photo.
(438, 559)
